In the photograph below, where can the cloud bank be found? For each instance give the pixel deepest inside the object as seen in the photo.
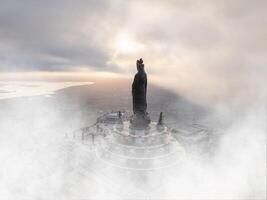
(199, 47)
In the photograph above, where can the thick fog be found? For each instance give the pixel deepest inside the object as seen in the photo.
(41, 160)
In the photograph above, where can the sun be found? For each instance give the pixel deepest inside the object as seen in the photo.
(125, 43)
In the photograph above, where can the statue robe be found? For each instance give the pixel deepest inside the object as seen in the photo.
(139, 88)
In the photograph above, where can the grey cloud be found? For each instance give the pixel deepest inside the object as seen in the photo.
(46, 35)
(216, 46)
(222, 36)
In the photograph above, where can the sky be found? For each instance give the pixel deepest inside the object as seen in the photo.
(216, 46)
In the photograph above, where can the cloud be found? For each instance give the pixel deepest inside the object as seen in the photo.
(201, 49)
(49, 36)
(212, 46)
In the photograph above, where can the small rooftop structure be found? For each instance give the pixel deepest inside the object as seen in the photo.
(111, 118)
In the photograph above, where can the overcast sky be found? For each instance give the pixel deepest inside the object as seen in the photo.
(212, 42)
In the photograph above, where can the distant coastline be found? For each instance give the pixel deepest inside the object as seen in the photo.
(14, 89)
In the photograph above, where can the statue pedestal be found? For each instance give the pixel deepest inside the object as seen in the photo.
(140, 121)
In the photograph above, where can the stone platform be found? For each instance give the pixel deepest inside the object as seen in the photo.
(131, 149)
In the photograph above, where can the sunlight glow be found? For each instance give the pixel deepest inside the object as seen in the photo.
(126, 44)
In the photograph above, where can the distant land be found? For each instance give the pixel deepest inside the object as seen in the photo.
(89, 101)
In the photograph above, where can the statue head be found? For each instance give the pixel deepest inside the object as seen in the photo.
(140, 65)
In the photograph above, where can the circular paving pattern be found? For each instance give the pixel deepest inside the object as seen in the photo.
(137, 149)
